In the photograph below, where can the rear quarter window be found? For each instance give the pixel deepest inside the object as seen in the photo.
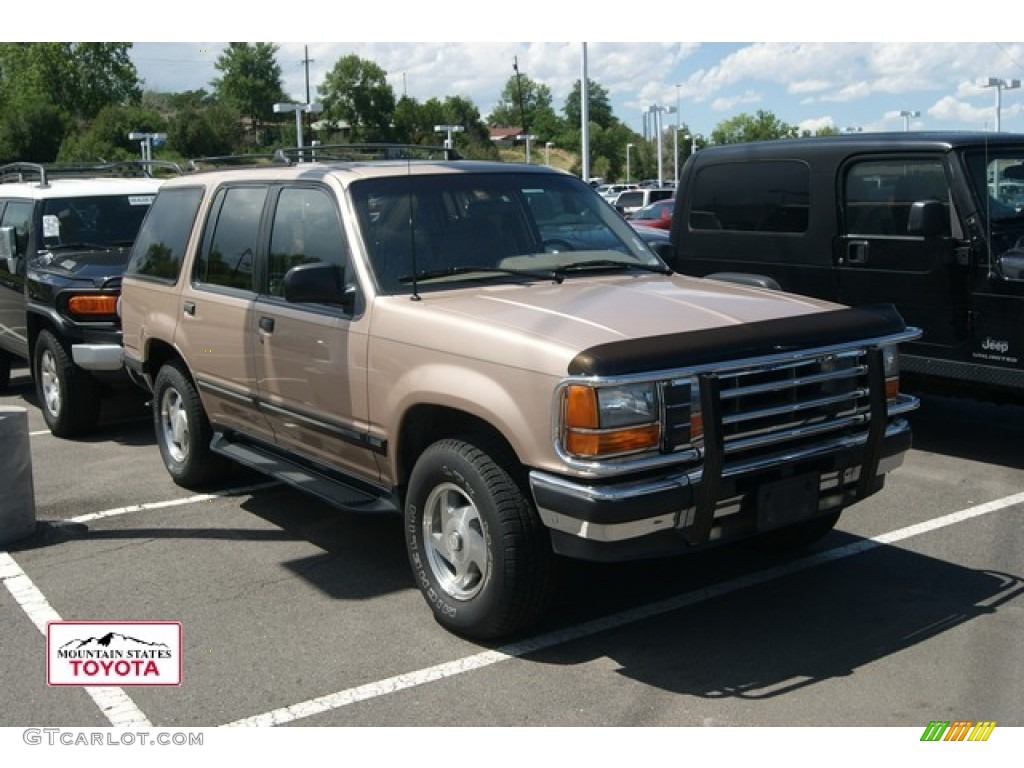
(160, 246)
(758, 196)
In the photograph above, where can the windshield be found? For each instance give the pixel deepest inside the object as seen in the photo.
(100, 221)
(456, 227)
(998, 180)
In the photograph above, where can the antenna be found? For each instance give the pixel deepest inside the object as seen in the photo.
(412, 230)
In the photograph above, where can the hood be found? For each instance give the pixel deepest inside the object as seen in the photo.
(92, 264)
(543, 326)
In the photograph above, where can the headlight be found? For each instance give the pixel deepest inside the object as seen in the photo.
(611, 421)
(91, 306)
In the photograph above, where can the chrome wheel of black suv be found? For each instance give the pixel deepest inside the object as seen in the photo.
(68, 396)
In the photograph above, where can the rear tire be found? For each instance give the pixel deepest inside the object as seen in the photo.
(68, 396)
(479, 552)
(183, 432)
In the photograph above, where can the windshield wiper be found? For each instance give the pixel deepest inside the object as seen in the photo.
(81, 245)
(661, 269)
(437, 274)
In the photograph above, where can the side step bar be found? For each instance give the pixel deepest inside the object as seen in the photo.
(330, 488)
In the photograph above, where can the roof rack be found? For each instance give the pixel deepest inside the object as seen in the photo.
(369, 152)
(249, 159)
(37, 172)
(330, 153)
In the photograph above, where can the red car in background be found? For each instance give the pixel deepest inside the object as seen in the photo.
(658, 215)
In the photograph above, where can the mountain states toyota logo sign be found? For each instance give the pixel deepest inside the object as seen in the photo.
(118, 654)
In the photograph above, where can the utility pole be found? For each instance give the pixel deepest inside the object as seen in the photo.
(519, 87)
(306, 62)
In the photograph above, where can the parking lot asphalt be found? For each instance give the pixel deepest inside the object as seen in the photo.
(296, 614)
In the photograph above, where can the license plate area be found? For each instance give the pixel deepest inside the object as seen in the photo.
(788, 501)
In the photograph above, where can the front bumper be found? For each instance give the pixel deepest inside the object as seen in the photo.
(98, 357)
(717, 502)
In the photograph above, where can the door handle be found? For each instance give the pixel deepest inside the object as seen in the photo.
(189, 308)
(267, 324)
(857, 252)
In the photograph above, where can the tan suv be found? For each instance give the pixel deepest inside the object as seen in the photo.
(490, 350)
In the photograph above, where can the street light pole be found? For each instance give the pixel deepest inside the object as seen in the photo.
(146, 143)
(547, 152)
(298, 109)
(527, 137)
(628, 147)
(1000, 86)
(675, 137)
(906, 114)
(658, 111)
(450, 129)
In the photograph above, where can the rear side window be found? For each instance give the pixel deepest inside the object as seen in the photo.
(227, 256)
(160, 246)
(760, 196)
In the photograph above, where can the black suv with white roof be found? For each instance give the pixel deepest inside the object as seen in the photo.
(65, 235)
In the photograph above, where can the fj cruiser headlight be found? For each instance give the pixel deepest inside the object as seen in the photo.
(90, 306)
(611, 420)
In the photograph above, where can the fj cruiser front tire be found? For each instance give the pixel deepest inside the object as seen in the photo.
(182, 430)
(68, 396)
(478, 550)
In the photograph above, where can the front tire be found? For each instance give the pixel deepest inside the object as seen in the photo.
(183, 432)
(479, 552)
(68, 396)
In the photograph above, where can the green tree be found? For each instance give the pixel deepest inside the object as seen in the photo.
(599, 108)
(106, 138)
(527, 104)
(79, 78)
(31, 129)
(197, 130)
(759, 127)
(251, 81)
(47, 90)
(357, 97)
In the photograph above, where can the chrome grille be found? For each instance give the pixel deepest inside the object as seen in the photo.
(793, 401)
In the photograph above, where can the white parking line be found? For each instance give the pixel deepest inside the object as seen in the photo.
(114, 703)
(122, 711)
(515, 650)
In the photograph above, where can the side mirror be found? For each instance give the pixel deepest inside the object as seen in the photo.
(318, 283)
(9, 248)
(1010, 265)
(928, 218)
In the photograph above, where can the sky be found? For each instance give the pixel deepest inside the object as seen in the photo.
(801, 64)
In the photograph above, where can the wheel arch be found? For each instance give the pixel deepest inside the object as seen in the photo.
(424, 425)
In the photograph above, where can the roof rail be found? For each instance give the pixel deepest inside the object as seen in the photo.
(327, 152)
(369, 152)
(42, 174)
(207, 163)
